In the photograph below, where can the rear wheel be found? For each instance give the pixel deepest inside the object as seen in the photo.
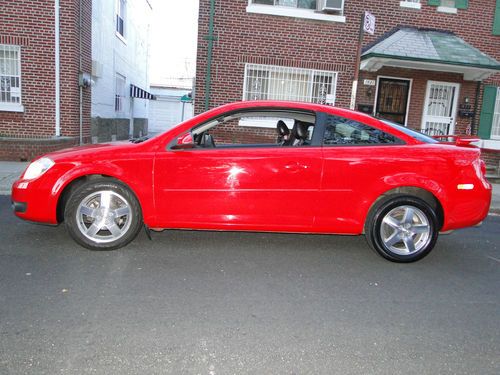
(102, 215)
(402, 228)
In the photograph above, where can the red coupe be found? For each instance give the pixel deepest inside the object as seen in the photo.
(264, 166)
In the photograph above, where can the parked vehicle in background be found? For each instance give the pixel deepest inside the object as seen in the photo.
(264, 166)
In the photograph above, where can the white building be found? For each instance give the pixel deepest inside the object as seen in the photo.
(120, 53)
(170, 108)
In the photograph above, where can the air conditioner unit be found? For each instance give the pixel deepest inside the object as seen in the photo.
(332, 5)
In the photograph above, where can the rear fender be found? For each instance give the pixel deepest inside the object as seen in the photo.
(415, 185)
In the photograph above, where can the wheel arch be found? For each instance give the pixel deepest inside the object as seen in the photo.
(76, 182)
(412, 191)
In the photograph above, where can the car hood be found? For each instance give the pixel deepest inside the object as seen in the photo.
(90, 151)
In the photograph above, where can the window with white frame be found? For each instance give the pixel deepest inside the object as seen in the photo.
(324, 10)
(415, 4)
(495, 127)
(120, 17)
(448, 3)
(120, 92)
(10, 77)
(269, 82)
(447, 6)
(305, 4)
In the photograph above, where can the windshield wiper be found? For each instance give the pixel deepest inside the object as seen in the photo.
(139, 140)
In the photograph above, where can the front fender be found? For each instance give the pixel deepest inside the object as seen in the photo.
(135, 174)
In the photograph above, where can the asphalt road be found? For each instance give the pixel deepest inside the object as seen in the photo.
(238, 303)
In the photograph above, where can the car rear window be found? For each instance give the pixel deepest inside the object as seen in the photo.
(341, 131)
(412, 133)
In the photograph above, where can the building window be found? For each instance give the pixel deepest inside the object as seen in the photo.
(496, 19)
(306, 4)
(120, 17)
(414, 4)
(10, 78)
(449, 6)
(324, 10)
(269, 82)
(495, 126)
(120, 83)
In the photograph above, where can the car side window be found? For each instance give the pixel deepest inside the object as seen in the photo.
(262, 128)
(344, 131)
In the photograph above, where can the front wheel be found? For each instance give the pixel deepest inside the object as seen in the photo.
(402, 229)
(103, 215)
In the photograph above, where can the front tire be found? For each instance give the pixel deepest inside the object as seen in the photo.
(402, 228)
(103, 214)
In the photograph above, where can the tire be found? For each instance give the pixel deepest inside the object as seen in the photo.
(402, 228)
(103, 214)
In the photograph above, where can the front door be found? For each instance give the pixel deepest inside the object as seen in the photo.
(392, 99)
(242, 188)
(440, 108)
(240, 176)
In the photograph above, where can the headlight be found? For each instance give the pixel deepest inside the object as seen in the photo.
(37, 168)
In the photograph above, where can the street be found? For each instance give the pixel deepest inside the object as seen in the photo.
(235, 303)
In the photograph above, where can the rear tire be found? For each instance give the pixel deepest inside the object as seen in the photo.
(402, 228)
(103, 214)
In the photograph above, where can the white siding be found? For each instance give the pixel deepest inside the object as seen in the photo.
(166, 111)
(112, 55)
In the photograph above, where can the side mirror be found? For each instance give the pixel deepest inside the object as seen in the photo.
(184, 142)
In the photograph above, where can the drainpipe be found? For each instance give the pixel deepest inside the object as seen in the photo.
(210, 39)
(80, 71)
(57, 73)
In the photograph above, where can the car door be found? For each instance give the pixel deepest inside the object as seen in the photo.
(247, 187)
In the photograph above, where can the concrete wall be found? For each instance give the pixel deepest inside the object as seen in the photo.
(116, 129)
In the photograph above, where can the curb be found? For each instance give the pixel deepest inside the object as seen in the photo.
(494, 212)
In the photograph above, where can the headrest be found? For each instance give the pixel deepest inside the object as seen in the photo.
(281, 128)
(300, 129)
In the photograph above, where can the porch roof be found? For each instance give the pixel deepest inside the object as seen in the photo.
(426, 49)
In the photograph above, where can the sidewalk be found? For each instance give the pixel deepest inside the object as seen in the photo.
(11, 170)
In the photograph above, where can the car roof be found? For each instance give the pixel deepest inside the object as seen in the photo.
(292, 105)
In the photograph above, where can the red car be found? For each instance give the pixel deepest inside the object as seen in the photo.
(264, 166)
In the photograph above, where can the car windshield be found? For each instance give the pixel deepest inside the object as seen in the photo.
(412, 133)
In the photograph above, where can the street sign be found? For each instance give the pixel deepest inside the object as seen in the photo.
(186, 98)
(369, 24)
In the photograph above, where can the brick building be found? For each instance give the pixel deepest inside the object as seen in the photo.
(44, 46)
(431, 64)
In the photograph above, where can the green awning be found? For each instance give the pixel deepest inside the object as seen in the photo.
(425, 49)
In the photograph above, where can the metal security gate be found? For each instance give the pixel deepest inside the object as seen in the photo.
(440, 108)
(392, 99)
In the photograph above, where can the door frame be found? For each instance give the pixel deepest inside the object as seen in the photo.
(455, 103)
(407, 102)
